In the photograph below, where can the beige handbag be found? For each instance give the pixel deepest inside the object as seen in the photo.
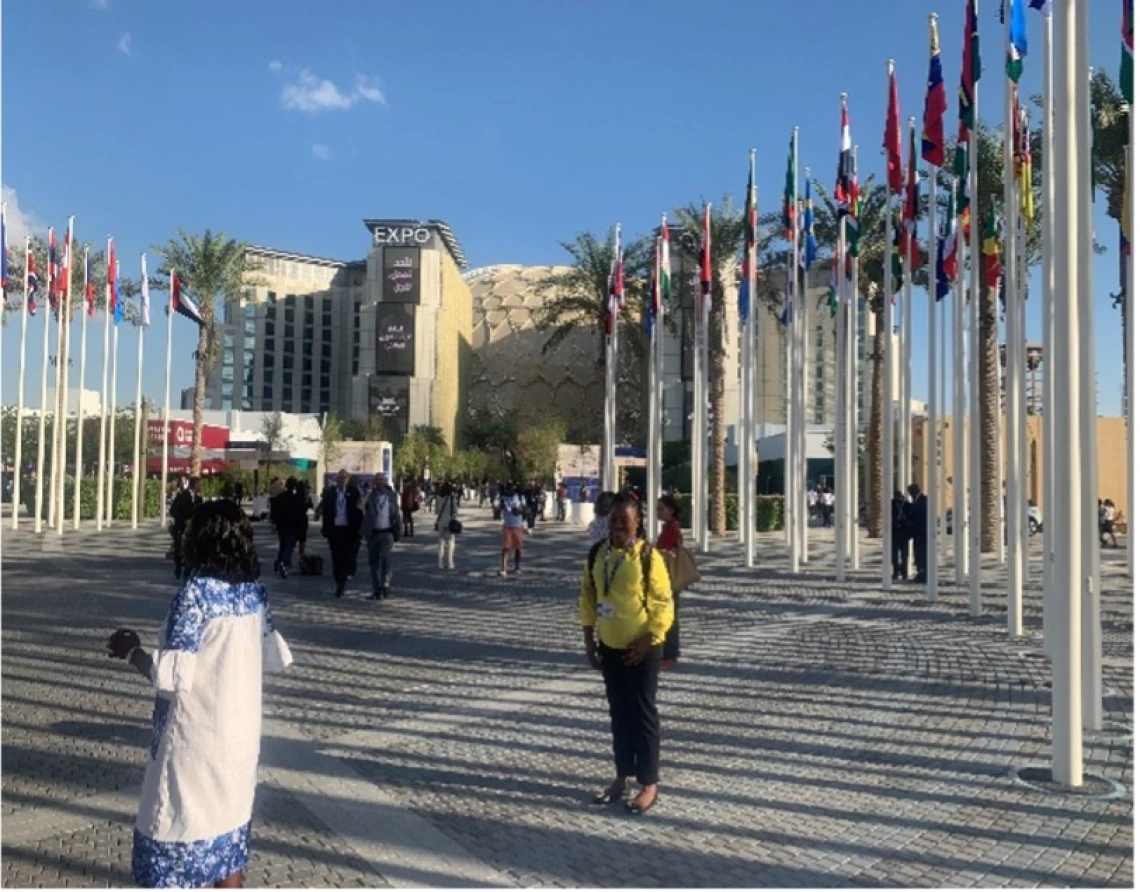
(682, 568)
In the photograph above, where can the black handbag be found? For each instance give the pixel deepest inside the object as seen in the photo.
(454, 527)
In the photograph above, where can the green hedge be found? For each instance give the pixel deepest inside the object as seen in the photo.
(769, 512)
(88, 497)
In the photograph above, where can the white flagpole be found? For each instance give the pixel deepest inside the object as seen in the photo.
(79, 405)
(65, 348)
(888, 402)
(112, 425)
(1048, 333)
(932, 483)
(974, 365)
(840, 435)
(961, 374)
(138, 406)
(101, 473)
(705, 421)
(41, 446)
(791, 531)
(652, 458)
(793, 504)
(906, 420)
(752, 328)
(1014, 506)
(742, 423)
(695, 424)
(16, 500)
(1091, 640)
(166, 396)
(58, 420)
(852, 454)
(802, 311)
(1068, 767)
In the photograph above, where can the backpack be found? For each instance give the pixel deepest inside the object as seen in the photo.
(646, 558)
(312, 565)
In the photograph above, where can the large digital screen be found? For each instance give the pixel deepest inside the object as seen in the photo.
(395, 339)
(401, 275)
(388, 401)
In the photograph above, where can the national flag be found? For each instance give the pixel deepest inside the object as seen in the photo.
(852, 219)
(744, 294)
(807, 233)
(182, 304)
(948, 253)
(112, 283)
(933, 140)
(1023, 158)
(962, 172)
(833, 286)
(33, 279)
(88, 284)
(53, 273)
(65, 267)
(843, 175)
(1018, 41)
(118, 297)
(144, 296)
(908, 243)
(896, 256)
(1126, 52)
(4, 247)
(706, 258)
(651, 301)
(665, 271)
(616, 299)
(789, 209)
(991, 249)
(1044, 6)
(971, 70)
(892, 139)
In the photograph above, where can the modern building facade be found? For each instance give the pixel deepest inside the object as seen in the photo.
(386, 337)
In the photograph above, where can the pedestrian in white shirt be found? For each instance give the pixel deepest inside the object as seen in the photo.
(514, 528)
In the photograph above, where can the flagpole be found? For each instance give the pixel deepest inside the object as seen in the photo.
(906, 422)
(111, 425)
(695, 424)
(790, 531)
(101, 472)
(793, 507)
(41, 445)
(1068, 768)
(138, 402)
(852, 454)
(753, 356)
(20, 399)
(801, 370)
(56, 472)
(1014, 504)
(79, 406)
(65, 346)
(932, 487)
(961, 373)
(704, 424)
(1091, 644)
(166, 396)
(840, 436)
(1048, 333)
(888, 401)
(974, 365)
(652, 459)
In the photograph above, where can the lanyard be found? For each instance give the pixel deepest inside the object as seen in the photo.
(608, 575)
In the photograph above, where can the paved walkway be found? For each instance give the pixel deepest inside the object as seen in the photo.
(815, 734)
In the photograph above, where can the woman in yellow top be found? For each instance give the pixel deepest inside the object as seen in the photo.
(626, 607)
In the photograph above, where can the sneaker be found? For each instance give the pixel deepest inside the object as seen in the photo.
(502, 572)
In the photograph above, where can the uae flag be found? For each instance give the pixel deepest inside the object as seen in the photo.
(843, 174)
(181, 303)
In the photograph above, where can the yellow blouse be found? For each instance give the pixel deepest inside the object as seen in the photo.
(614, 599)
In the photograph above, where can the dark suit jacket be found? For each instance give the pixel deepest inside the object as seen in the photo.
(328, 510)
(918, 517)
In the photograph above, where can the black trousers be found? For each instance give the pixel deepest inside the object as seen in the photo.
(672, 649)
(636, 727)
(920, 554)
(343, 543)
(900, 554)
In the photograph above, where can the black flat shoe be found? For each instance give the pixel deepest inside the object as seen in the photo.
(641, 809)
(607, 796)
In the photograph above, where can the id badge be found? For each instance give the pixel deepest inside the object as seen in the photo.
(605, 610)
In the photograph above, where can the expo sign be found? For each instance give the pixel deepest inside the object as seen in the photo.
(400, 236)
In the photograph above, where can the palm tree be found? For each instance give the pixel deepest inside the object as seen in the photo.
(578, 296)
(727, 231)
(210, 266)
(1110, 151)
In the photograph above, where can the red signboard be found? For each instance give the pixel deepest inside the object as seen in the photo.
(182, 434)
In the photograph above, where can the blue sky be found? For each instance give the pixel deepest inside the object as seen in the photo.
(520, 123)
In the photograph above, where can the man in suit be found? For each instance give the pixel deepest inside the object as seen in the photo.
(181, 510)
(918, 523)
(381, 531)
(341, 516)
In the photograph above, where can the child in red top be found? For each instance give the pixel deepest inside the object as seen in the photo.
(670, 539)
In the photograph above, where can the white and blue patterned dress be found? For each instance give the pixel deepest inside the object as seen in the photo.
(201, 771)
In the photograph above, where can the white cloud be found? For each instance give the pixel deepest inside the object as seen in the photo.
(312, 94)
(20, 222)
(322, 152)
(124, 44)
(275, 67)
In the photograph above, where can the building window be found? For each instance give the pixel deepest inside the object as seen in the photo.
(307, 363)
(271, 301)
(287, 377)
(246, 405)
(270, 348)
(267, 393)
(250, 329)
(228, 374)
(228, 340)
(228, 356)
(326, 351)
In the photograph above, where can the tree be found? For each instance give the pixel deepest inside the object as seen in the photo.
(1109, 154)
(727, 232)
(332, 435)
(537, 448)
(273, 430)
(423, 448)
(212, 267)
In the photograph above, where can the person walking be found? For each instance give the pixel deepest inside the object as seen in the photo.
(671, 538)
(900, 536)
(599, 528)
(626, 608)
(918, 522)
(302, 505)
(193, 825)
(382, 531)
(513, 509)
(409, 505)
(446, 519)
(1108, 523)
(341, 517)
(283, 516)
(181, 509)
